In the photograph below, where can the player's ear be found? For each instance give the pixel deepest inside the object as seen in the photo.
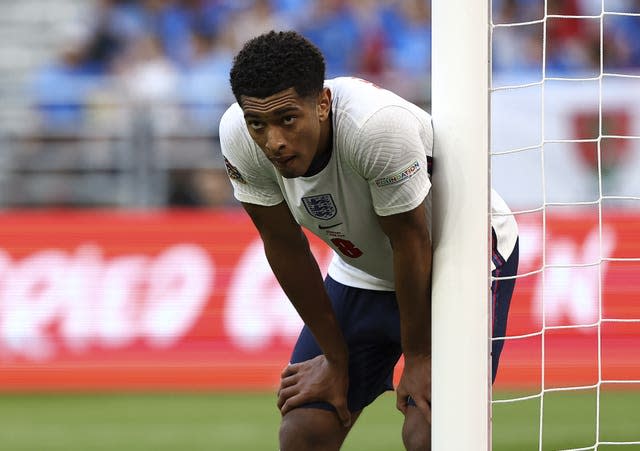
(324, 104)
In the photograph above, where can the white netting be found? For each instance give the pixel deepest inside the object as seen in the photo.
(563, 272)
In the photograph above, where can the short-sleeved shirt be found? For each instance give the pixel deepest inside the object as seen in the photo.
(380, 165)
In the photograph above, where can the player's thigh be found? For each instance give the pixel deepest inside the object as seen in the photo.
(416, 431)
(312, 429)
(371, 326)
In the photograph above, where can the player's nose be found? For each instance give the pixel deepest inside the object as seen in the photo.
(275, 142)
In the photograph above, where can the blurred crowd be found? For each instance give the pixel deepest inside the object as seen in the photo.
(574, 45)
(181, 51)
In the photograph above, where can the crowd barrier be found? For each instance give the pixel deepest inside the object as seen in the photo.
(185, 300)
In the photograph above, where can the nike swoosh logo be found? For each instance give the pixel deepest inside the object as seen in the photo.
(321, 227)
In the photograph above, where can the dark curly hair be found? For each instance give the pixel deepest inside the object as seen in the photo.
(276, 61)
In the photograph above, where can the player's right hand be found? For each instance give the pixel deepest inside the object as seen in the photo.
(315, 380)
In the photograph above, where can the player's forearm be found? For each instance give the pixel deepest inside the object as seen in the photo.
(412, 268)
(411, 244)
(299, 276)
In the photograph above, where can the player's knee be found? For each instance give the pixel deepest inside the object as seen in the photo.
(300, 429)
(416, 440)
(416, 433)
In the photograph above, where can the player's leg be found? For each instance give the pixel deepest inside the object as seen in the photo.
(501, 292)
(370, 324)
(313, 429)
(416, 430)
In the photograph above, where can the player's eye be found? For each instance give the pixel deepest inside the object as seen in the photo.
(288, 120)
(255, 125)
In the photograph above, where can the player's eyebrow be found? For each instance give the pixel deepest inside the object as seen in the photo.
(278, 112)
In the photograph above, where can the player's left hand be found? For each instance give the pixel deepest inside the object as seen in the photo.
(415, 382)
(314, 380)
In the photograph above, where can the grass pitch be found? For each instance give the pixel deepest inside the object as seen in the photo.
(243, 422)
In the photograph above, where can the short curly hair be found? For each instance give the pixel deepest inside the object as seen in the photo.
(275, 61)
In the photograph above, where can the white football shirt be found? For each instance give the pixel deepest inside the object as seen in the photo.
(380, 165)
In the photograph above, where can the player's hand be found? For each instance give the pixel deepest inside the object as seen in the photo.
(416, 382)
(315, 380)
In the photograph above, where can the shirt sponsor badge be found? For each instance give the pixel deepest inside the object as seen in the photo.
(399, 176)
(233, 172)
(321, 206)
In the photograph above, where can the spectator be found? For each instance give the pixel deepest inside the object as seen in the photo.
(622, 43)
(294, 11)
(374, 53)
(208, 16)
(116, 23)
(204, 86)
(260, 17)
(570, 40)
(333, 27)
(517, 48)
(409, 29)
(146, 74)
(169, 22)
(62, 86)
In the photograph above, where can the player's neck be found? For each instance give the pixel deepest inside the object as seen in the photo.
(325, 149)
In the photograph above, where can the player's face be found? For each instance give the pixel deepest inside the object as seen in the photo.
(289, 129)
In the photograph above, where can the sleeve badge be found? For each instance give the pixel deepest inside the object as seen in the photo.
(399, 176)
(233, 172)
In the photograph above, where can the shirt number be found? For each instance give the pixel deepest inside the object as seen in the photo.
(347, 247)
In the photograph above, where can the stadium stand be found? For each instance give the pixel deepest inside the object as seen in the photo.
(116, 102)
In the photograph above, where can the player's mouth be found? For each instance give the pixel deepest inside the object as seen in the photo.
(283, 161)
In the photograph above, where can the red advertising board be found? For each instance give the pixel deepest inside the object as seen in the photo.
(185, 300)
(577, 321)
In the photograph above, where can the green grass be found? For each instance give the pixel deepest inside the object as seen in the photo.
(569, 421)
(239, 422)
(167, 422)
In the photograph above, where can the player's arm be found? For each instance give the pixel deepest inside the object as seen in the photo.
(297, 271)
(411, 246)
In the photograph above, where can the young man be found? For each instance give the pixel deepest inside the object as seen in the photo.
(351, 163)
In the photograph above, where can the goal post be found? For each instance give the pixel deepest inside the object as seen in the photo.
(461, 381)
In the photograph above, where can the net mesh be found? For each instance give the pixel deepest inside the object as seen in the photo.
(531, 77)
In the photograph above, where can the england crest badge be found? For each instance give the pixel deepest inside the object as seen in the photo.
(321, 206)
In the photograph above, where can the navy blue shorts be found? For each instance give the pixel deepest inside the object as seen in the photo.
(501, 292)
(371, 326)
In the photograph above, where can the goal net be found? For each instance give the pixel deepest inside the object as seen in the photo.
(565, 155)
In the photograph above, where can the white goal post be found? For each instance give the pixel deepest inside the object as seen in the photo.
(461, 381)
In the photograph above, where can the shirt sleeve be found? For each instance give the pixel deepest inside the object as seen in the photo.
(251, 175)
(505, 227)
(394, 151)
